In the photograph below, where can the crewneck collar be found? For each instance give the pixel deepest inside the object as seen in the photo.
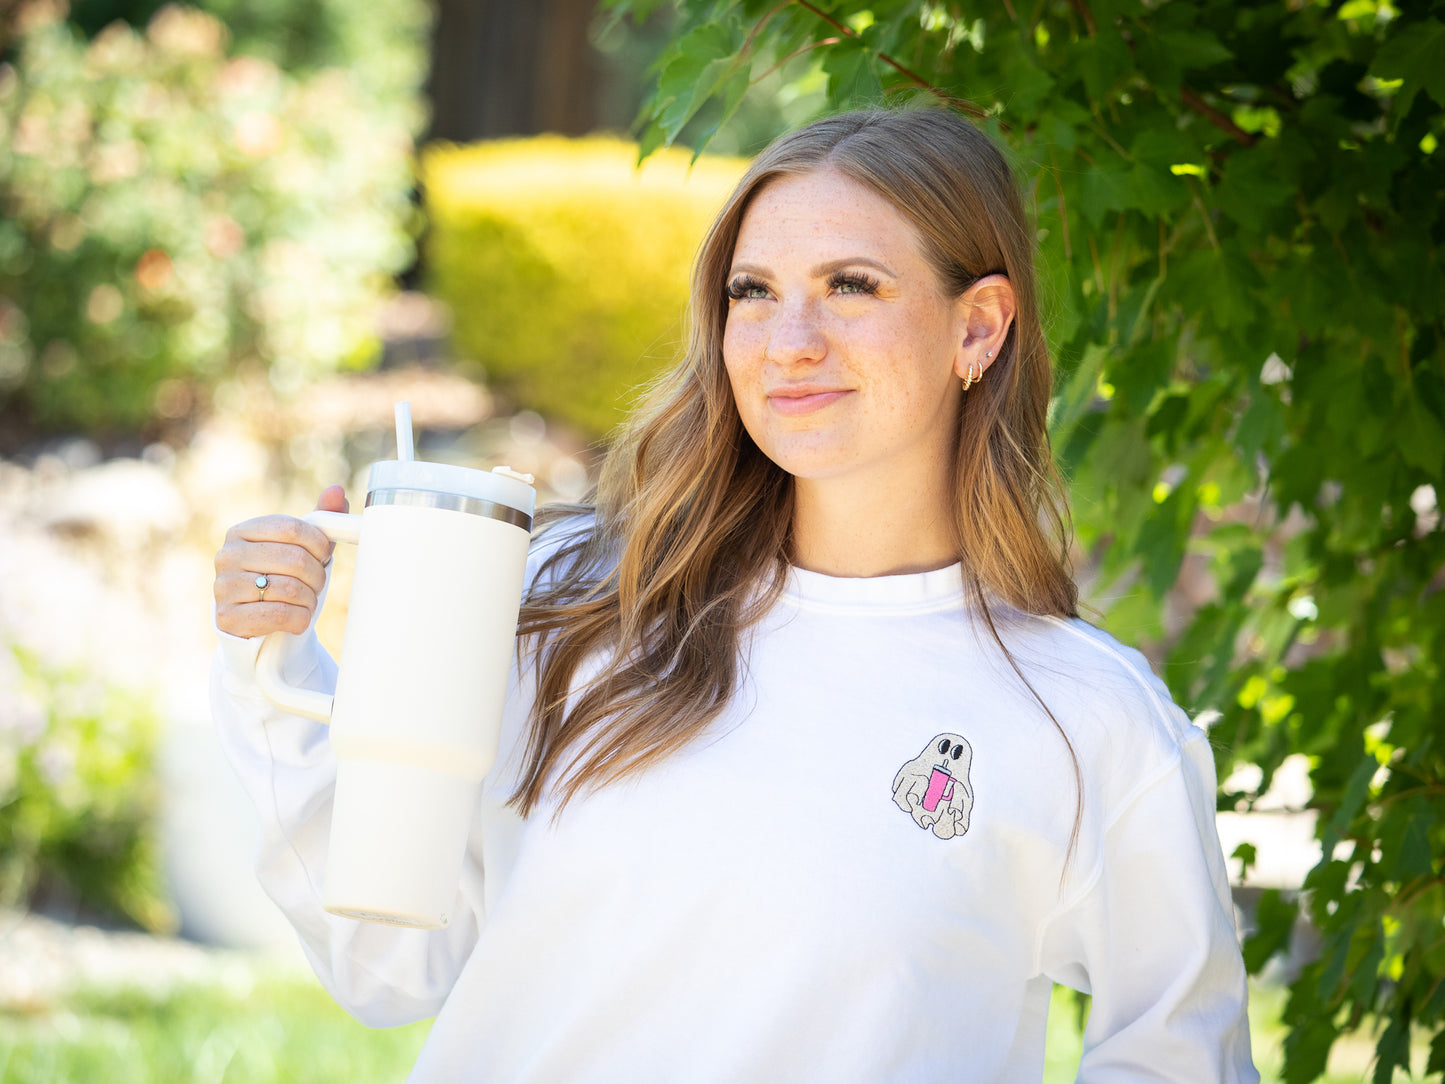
(918, 592)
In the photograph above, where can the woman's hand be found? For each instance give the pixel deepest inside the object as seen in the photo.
(291, 554)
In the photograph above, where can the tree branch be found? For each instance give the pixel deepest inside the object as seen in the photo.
(960, 104)
(1192, 99)
(1084, 13)
(756, 30)
(793, 55)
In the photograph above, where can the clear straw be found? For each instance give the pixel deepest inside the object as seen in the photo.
(405, 449)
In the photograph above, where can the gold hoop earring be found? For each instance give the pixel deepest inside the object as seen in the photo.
(969, 380)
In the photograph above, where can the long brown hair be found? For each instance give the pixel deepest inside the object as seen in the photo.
(636, 619)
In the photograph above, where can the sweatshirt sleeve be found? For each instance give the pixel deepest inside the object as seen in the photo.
(382, 975)
(1151, 936)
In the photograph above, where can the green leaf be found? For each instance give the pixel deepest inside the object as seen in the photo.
(700, 62)
(1103, 62)
(1165, 56)
(1364, 983)
(1162, 538)
(1122, 453)
(733, 91)
(1307, 1049)
(1229, 288)
(1194, 48)
(1263, 426)
(1421, 438)
(1024, 85)
(1251, 186)
(1436, 1062)
(1274, 923)
(1105, 187)
(1138, 373)
(1134, 616)
(653, 138)
(1416, 855)
(853, 74)
(1061, 125)
(1164, 147)
(1416, 54)
(1355, 791)
(1077, 395)
(1392, 1050)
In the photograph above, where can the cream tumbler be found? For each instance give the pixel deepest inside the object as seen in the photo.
(416, 717)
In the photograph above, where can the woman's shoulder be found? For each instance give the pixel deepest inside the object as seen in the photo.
(1100, 689)
(1096, 657)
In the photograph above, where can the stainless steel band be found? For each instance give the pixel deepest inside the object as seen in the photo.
(452, 502)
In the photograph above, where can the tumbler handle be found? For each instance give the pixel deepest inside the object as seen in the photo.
(339, 527)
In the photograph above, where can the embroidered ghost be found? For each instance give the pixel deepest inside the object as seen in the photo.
(933, 787)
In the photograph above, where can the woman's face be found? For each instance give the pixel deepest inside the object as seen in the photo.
(841, 347)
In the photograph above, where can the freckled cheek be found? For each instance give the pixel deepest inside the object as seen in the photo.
(742, 357)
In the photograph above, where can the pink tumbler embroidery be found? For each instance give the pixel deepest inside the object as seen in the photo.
(940, 785)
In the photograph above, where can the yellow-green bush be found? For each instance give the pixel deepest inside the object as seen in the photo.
(566, 266)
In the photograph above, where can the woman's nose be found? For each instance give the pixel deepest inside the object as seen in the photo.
(796, 335)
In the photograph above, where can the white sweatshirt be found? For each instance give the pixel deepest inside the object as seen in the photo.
(862, 873)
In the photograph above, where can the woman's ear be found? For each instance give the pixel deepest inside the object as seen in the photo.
(987, 312)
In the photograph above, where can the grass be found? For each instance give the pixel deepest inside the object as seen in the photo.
(250, 1025)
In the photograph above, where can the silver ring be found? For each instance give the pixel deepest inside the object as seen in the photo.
(263, 582)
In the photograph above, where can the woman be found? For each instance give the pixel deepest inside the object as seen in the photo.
(810, 772)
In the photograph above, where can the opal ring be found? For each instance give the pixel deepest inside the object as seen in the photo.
(263, 582)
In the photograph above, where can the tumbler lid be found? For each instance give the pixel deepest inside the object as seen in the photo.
(502, 486)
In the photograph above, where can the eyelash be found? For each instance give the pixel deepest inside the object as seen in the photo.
(740, 287)
(865, 284)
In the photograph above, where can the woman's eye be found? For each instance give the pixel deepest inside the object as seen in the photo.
(745, 289)
(853, 282)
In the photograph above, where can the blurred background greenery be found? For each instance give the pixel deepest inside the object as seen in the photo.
(232, 233)
(185, 200)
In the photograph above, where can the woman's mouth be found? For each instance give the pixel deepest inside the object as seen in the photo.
(802, 400)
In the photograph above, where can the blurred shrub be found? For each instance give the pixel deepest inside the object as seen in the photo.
(565, 266)
(168, 213)
(379, 42)
(78, 792)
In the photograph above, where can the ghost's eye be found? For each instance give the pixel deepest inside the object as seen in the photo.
(957, 751)
(943, 747)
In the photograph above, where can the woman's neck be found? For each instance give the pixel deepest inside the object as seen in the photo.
(846, 527)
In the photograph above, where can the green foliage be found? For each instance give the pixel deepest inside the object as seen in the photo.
(1240, 214)
(78, 796)
(565, 266)
(249, 1026)
(171, 212)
